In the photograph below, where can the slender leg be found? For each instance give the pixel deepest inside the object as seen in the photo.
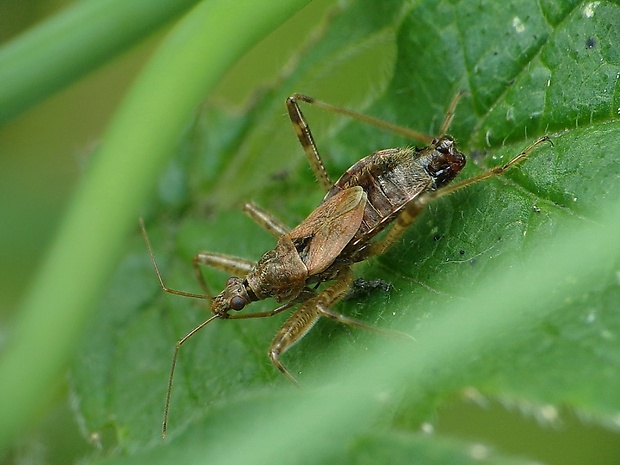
(402, 223)
(307, 141)
(414, 208)
(234, 266)
(450, 113)
(403, 131)
(266, 220)
(304, 318)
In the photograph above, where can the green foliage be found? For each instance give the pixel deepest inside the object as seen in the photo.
(510, 287)
(140, 139)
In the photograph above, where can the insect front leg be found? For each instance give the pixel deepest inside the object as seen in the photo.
(490, 173)
(266, 220)
(234, 266)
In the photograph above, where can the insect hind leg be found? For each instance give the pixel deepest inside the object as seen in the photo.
(304, 318)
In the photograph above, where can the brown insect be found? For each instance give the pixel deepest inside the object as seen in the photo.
(389, 186)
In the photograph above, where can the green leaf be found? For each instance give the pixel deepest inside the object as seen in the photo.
(510, 286)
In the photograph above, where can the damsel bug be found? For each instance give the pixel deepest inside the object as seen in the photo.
(389, 186)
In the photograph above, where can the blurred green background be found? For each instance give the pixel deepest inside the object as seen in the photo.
(42, 154)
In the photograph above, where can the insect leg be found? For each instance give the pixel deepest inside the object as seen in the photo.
(304, 318)
(403, 131)
(414, 208)
(447, 120)
(266, 220)
(234, 266)
(307, 142)
(403, 221)
(490, 173)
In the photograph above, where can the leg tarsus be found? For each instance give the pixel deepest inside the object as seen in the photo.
(360, 324)
(274, 356)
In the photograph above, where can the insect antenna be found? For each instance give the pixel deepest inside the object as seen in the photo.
(165, 288)
(180, 342)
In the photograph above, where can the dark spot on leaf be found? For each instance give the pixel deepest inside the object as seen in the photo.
(462, 252)
(282, 175)
(590, 42)
(477, 155)
(363, 288)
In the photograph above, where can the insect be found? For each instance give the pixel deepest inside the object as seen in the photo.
(387, 188)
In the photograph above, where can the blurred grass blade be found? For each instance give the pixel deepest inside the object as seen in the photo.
(72, 43)
(142, 137)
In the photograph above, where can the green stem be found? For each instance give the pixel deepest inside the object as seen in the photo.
(72, 43)
(141, 138)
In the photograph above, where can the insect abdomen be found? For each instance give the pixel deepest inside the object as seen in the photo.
(391, 178)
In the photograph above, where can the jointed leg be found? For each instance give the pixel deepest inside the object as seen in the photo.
(234, 266)
(450, 113)
(403, 131)
(304, 318)
(266, 220)
(491, 173)
(307, 141)
(402, 223)
(414, 208)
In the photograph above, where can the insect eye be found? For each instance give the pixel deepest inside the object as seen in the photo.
(237, 303)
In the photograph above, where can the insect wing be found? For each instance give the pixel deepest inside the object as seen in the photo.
(329, 228)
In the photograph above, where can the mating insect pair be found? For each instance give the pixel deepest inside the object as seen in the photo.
(389, 186)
